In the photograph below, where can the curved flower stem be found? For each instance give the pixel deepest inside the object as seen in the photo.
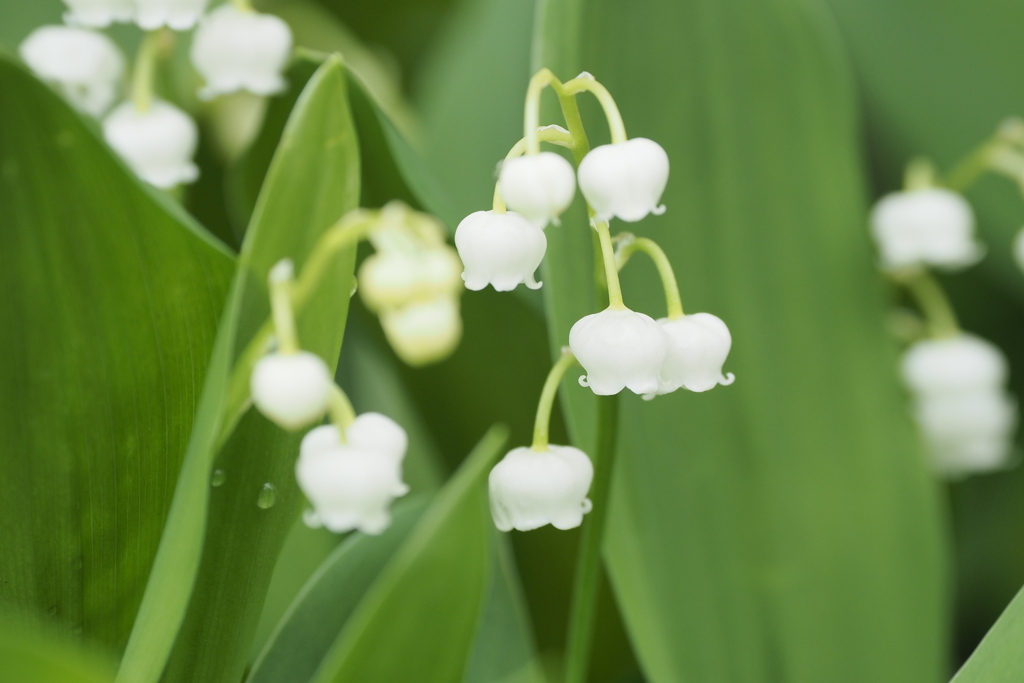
(144, 71)
(588, 567)
(611, 271)
(339, 407)
(932, 301)
(587, 83)
(547, 399)
(568, 90)
(243, 5)
(282, 281)
(629, 244)
(556, 135)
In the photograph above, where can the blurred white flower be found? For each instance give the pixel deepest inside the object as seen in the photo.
(619, 349)
(930, 227)
(698, 346)
(954, 365)
(394, 278)
(539, 187)
(98, 13)
(529, 488)
(352, 484)
(237, 50)
(179, 15)
(291, 389)
(86, 66)
(157, 144)
(499, 249)
(424, 331)
(625, 180)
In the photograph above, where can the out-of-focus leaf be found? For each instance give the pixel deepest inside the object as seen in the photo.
(111, 298)
(311, 625)
(311, 183)
(30, 655)
(999, 658)
(784, 528)
(440, 571)
(18, 19)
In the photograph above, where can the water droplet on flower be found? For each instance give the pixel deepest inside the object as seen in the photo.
(218, 478)
(267, 497)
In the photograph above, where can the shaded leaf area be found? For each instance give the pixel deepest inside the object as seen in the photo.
(312, 181)
(29, 654)
(784, 528)
(111, 302)
(999, 658)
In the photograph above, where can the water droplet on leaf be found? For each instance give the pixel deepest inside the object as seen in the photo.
(218, 478)
(267, 497)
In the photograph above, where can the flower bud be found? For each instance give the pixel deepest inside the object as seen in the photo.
(625, 180)
(424, 332)
(539, 187)
(499, 249)
(157, 144)
(619, 349)
(392, 279)
(698, 346)
(98, 13)
(291, 389)
(351, 485)
(953, 366)
(529, 488)
(931, 226)
(241, 50)
(179, 15)
(86, 66)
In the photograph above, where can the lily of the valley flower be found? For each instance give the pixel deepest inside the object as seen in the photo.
(158, 144)
(499, 249)
(98, 13)
(423, 331)
(698, 346)
(86, 66)
(529, 488)
(237, 50)
(394, 278)
(625, 180)
(954, 365)
(179, 15)
(539, 187)
(619, 348)
(291, 389)
(930, 226)
(352, 483)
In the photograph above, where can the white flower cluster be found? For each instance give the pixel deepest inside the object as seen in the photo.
(233, 49)
(961, 403)
(412, 283)
(925, 227)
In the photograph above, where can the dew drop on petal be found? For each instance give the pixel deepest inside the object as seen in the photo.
(218, 477)
(267, 497)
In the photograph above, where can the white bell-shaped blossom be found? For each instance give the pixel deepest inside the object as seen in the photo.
(179, 15)
(237, 50)
(85, 65)
(158, 144)
(98, 13)
(529, 488)
(698, 346)
(352, 484)
(619, 348)
(499, 249)
(954, 365)
(291, 389)
(539, 187)
(393, 278)
(625, 180)
(930, 226)
(425, 331)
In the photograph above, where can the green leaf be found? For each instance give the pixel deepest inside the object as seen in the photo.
(441, 571)
(999, 658)
(32, 655)
(312, 181)
(784, 528)
(111, 300)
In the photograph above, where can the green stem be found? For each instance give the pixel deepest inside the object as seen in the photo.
(341, 411)
(556, 135)
(547, 399)
(282, 281)
(144, 72)
(964, 174)
(933, 302)
(588, 567)
(611, 271)
(629, 245)
(243, 5)
(587, 83)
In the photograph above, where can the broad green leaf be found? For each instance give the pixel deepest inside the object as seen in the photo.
(418, 620)
(784, 528)
(999, 658)
(111, 300)
(29, 654)
(313, 180)
(313, 621)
